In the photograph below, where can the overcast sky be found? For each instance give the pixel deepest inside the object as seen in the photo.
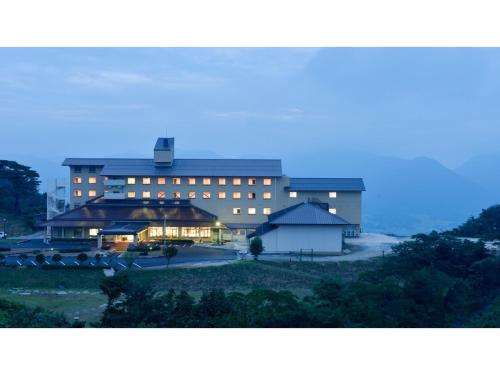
(440, 103)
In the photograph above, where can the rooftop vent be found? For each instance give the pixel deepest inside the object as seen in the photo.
(164, 152)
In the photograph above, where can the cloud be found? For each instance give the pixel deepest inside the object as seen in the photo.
(108, 79)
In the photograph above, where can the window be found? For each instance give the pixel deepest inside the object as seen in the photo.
(131, 180)
(146, 180)
(92, 193)
(91, 169)
(266, 195)
(192, 181)
(162, 195)
(251, 195)
(176, 195)
(77, 193)
(176, 181)
(146, 194)
(157, 232)
(192, 195)
(332, 210)
(252, 210)
(222, 181)
(77, 180)
(252, 181)
(207, 181)
(292, 194)
(161, 181)
(131, 194)
(236, 195)
(92, 180)
(266, 210)
(268, 182)
(332, 194)
(221, 195)
(93, 232)
(206, 195)
(236, 211)
(236, 181)
(78, 170)
(195, 232)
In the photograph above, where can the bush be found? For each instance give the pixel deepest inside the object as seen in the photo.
(40, 258)
(82, 257)
(56, 257)
(4, 248)
(170, 252)
(256, 247)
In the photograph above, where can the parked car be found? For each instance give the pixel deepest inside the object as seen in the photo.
(3, 235)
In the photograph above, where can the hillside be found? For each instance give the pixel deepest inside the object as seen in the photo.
(485, 226)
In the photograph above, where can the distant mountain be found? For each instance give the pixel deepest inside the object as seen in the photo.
(483, 170)
(403, 196)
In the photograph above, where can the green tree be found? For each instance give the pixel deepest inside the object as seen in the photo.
(56, 257)
(169, 252)
(19, 182)
(82, 257)
(114, 286)
(40, 259)
(256, 247)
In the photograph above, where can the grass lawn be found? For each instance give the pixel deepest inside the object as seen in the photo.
(298, 277)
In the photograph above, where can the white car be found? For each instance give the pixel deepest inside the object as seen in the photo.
(3, 235)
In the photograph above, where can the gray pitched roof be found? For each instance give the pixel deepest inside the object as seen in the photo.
(326, 184)
(184, 167)
(307, 214)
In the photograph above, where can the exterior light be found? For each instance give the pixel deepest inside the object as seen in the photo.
(217, 223)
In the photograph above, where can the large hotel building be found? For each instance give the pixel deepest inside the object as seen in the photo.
(201, 199)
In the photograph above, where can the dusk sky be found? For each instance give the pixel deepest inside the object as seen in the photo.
(439, 103)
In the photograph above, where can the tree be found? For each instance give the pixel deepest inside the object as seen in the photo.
(129, 257)
(18, 181)
(56, 257)
(82, 257)
(256, 247)
(40, 259)
(170, 251)
(114, 286)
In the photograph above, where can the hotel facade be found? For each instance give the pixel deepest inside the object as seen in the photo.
(201, 199)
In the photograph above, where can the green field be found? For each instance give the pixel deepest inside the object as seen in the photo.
(79, 293)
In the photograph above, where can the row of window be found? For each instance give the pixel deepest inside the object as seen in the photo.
(91, 180)
(294, 194)
(205, 195)
(205, 181)
(79, 169)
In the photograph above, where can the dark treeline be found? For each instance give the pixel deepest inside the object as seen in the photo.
(485, 226)
(431, 281)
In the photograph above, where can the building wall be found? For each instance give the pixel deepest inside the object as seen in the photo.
(85, 186)
(320, 238)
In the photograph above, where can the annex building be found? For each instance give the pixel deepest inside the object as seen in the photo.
(201, 199)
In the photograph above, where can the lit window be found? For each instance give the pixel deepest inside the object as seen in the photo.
(206, 195)
(236, 211)
(292, 194)
(77, 193)
(252, 181)
(207, 181)
(192, 181)
(91, 169)
(146, 180)
(266, 195)
(236, 181)
(162, 195)
(131, 180)
(221, 195)
(92, 180)
(268, 182)
(176, 194)
(251, 195)
(192, 195)
(161, 181)
(222, 181)
(131, 194)
(266, 211)
(77, 180)
(332, 194)
(252, 210)
(332, 210)
(146, 194)
(92, 193)
(176, 181)
(93, 232)
(236, 195)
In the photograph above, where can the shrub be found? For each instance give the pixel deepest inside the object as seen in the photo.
(40, 258)
(4, 248)
(170, 251)
(56, 257)
(256, 247)
(82, 257)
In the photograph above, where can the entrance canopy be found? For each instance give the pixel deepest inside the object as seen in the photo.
(124, 228)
